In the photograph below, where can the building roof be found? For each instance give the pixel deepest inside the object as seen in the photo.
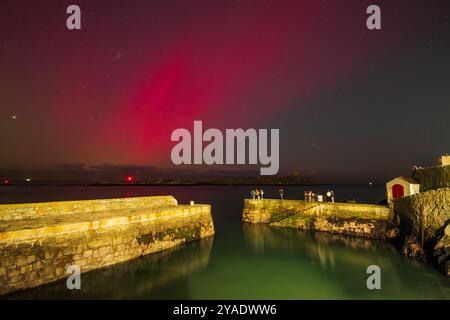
(407, 179)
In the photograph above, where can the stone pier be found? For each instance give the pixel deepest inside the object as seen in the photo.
(38, 241)
(364, 220)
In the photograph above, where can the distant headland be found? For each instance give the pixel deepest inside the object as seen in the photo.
(293, 179)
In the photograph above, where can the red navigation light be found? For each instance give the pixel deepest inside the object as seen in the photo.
(6, 181)
(129, 179)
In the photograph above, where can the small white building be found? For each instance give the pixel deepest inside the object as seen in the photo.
(401, 187)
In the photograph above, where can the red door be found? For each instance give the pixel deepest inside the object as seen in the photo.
(398, 191)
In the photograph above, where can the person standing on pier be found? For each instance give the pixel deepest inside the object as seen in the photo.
(253, 194)
(261, 192)
(257, 194)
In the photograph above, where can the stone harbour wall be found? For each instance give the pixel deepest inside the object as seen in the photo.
(363, 220)
(45, 209)
(133, 277)
(37, 251)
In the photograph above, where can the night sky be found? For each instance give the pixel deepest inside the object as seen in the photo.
(352, 105)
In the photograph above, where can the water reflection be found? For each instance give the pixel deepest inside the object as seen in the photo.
(140, 278)
(323, 247)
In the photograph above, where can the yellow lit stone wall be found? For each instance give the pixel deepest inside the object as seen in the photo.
(343, 218)
(58, 208)
(37, 251)
(433, 178)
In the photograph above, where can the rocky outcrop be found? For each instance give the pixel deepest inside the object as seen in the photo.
(442, 252)
(424, 226)
(424, 215)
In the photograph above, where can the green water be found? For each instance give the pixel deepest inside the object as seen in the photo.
(244, 261)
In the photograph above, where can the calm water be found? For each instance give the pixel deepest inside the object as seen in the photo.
(245, 261)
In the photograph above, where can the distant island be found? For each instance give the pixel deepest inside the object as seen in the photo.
(293, 179)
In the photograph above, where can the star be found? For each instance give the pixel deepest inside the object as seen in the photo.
(14, 117)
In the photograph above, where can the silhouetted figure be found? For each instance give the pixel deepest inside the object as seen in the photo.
(330, 195)
(281, 192)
